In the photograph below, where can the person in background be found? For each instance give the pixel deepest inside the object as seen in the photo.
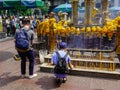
(34, 23)
(13, 24)
(46, 17)
(20, 21)
(7, 22)
(17, 26)
(58, 41)
(27, 54)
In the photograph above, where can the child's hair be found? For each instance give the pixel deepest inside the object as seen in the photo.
(62, 45)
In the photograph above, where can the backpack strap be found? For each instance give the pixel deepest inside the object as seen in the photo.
(26, 34)
(66, 55)
(60, 56)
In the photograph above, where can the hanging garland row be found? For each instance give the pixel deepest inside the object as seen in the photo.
(63, 28)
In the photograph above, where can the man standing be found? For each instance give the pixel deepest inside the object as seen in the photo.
(25, 49)
(7, 22)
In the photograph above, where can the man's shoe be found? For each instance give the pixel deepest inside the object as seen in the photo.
(32, 76)
(23, 76)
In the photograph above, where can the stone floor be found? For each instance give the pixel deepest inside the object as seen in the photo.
(10, 76)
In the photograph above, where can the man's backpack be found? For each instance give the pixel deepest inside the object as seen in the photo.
(22, 41)
(61, 66)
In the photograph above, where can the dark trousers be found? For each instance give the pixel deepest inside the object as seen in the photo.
(24, 56)
(13, 30)
(8, 31)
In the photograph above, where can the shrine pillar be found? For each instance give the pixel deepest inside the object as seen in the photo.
(75, 11)
(105, 11)
(88, 14)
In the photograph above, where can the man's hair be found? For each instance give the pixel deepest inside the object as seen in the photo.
(25, 21)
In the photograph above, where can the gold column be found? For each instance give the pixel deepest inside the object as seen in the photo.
(75, 12)
(52, 41)
(52, 34)
(88, 12)
(105, 12)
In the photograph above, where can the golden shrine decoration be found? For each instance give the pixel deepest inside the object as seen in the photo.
(51, 27)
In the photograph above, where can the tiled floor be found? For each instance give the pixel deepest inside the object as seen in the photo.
(10, 76)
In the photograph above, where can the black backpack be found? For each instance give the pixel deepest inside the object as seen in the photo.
(61, 66)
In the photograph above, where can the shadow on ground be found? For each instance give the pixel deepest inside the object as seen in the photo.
(5, 79)
(4, 55)
(47, 83)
